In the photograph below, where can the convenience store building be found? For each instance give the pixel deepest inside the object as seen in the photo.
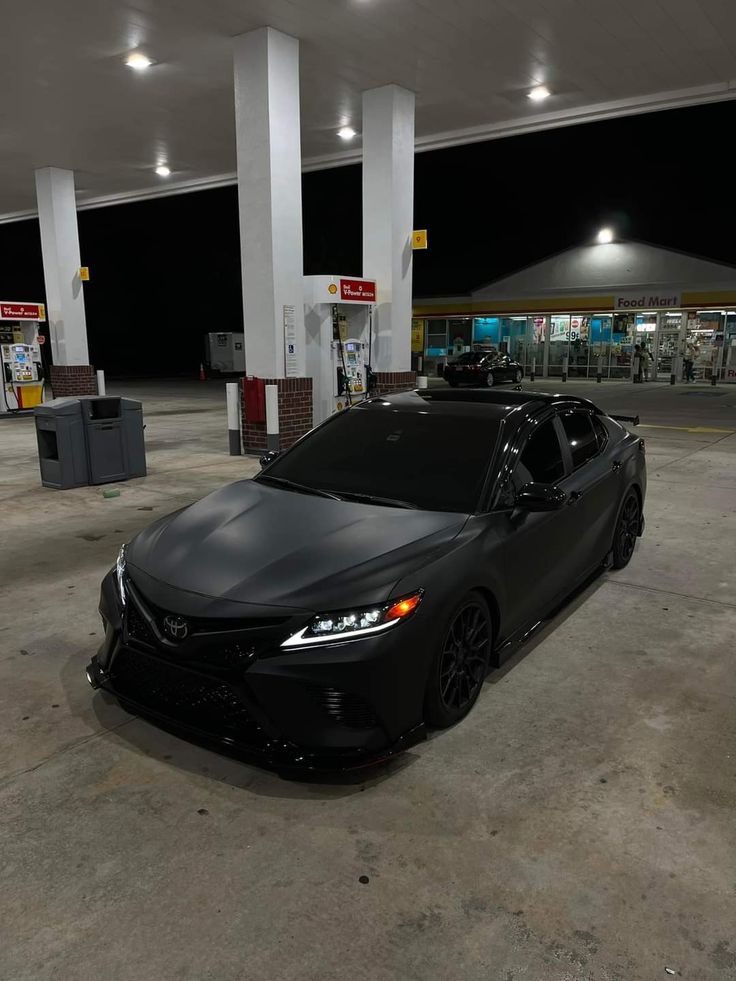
(591, 302)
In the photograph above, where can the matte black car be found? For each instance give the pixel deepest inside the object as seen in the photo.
(481, 368)
(356, 592)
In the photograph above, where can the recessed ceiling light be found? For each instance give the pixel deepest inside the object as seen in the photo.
(346, 133)
(137, 60)
(539, 93)
(162, 170)
(605, 235)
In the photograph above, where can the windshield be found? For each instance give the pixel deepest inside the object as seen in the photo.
(432, 460)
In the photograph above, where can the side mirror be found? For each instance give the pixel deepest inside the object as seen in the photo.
(268, 457)
(540, 497)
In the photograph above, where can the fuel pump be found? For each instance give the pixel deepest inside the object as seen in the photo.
(21, 367)
(338, 321)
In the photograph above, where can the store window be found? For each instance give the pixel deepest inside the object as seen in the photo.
(622, 345)
(559, 341)
(580, 437)
(704, 341)
(460, 334)
(436, 339)
(486, 331)
(579, 345)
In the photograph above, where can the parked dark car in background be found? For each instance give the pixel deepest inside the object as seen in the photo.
(325, 613)
(481, 368)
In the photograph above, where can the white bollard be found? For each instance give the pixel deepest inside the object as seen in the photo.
(422, 381)
(232, 392)
(272, 417)
(101, 383)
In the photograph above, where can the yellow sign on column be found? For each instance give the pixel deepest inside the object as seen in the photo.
(419, 239)
(84, 273)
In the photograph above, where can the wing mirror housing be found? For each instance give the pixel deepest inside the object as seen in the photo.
(268, 457)
(540, 497)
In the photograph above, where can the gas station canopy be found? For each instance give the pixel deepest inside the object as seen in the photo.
(481, 69)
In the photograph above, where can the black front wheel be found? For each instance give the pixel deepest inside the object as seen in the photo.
(518, 376)
(627, 529)
(460, 663)
(452, 382)
(490, 380)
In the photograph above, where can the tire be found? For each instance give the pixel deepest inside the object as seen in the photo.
(518, 376)
(490, 380)
(452, 382)
(460, 663)
(627, 530)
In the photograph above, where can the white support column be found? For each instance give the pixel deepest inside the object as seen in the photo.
(388, 206)
(57, 214)
(270, 200)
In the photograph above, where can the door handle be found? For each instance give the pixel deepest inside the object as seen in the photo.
(574, 497)
(616, 465)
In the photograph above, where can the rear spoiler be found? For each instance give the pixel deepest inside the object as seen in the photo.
(634, 420)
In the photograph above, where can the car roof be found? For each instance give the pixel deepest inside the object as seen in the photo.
(469, 401)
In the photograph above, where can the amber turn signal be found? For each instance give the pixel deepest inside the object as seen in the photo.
(403, 608)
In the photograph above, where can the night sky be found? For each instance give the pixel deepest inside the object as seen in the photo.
(165, 272)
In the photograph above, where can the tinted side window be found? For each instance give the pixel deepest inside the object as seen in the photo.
(601, 432)
(541, 458)
(581, 437)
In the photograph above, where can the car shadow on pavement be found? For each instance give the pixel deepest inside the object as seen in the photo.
(547, 626)
(171, 749)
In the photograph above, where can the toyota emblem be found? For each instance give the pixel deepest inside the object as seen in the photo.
(176, 628)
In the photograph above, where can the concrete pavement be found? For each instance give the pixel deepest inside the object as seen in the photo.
(578, 825)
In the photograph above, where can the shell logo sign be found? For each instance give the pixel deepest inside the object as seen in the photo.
(362, 290)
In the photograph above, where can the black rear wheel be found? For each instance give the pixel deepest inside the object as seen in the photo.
(518, 376)
(452, 382)
(460, 664)
(627, 529)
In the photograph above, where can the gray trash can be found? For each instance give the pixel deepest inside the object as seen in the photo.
(114, 431)
(135, 447)
(62, 446)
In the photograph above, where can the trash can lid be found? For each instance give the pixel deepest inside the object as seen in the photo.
(68, 406)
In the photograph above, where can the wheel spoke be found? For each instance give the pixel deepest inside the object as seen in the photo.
(464, 657)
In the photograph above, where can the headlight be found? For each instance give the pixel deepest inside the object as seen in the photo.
(120, 574)
(329, 627)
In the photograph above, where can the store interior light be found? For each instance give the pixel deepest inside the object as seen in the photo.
(162, 170)
(539, 93)
(346, 133)
(138, 61)
(605, 235)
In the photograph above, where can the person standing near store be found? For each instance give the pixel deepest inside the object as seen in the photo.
(687, 362)
(645, 358)
(638, 363)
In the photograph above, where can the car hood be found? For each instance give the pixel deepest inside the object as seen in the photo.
(257, 544)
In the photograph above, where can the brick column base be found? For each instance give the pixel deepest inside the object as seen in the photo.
(394, 381)
(295, 415)
(73, 379)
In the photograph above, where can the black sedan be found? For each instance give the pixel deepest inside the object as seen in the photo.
(325, 613)
(482, 368)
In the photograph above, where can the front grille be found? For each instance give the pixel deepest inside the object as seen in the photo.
(345, 708)
(138, 629)
(207, 704)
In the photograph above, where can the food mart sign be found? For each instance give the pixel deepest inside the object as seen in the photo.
(640, 300)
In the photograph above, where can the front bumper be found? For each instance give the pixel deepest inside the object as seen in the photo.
(328, 708)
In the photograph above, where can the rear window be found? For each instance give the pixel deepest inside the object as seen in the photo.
(470, 357)
(431, 459)
(580, 436)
